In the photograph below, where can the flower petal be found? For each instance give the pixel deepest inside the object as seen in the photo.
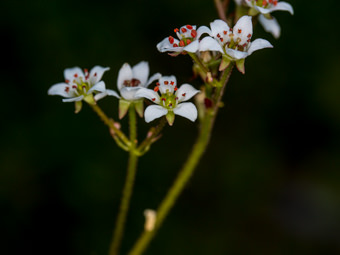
(96, 73)
(259, 44)
(218, 26)
(154, 77)
(191, 47)
(167, 84)
(270, 26)
(283, 6)
(72, 73)
(141, 72)
(73, 99)
(203, 30)
(186, 110)
(242, 29)
(235, 54)
(209, 44)
(107, 92)
(165, 45)
(100, 86)
(125, 73)
(129, 93)
(59, 89)
(185, 92)
(153, 112)
(149, 94)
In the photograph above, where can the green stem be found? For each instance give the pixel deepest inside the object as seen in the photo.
(110, 123)
(186, 172)
(198, 62)
(128, 187)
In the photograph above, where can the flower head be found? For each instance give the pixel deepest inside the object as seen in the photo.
(234, 44)
(264, 8)
(169, 98)
(187, 40)
(80, 85)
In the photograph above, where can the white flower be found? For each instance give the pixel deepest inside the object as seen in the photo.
(169, 100)
(234, 44)
(80, 84)
(188, 40)
(264, 8)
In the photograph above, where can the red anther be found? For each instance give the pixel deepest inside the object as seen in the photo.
(171, 39)
(189, 27)
(157, 83)
(176, 30)
(207, 103)
(264, 2)
(163, 99)
(170, 104)
(86, 71)
(218, 35)
(166, 82)
(176, 98)
(275, 2)
(230, 29)
(84, 87)
(175, 45)
(188, 41)
(74, 86)
(95, 74)
(244, 45)
(153, 99)
(67, 81)
(175, 89)
(67, 89)
(181, 43)
(183, 29)
(239, 31)
(248, 40)
(172, 82)
(75, 75)
(193, 33)
(221, 39)
(183, 95)
(156, 88)
(249, 35)
(225, 32)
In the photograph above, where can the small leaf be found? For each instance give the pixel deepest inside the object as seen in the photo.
(139, 106)
(170, 117)
(240, 65)
(78, 105)
(224, 63)
(123, 107)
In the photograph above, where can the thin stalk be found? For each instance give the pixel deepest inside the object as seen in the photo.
(198, 62)
(128, 187)
(184, 175)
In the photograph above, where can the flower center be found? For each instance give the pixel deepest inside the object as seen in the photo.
(79, 85)
(169, 100)
(132, 83)
(186, 35)
(232, 41)
(264, 3)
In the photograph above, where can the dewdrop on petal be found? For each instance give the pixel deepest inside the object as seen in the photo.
(150, 219)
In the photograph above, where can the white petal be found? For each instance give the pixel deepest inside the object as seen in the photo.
(218, 26)
(165, 84)
(235, 54)
(242, 29)
(153, 112)
(185, 92)
(107, 92)
(239, 2)
(125, 73)
(283, 6)
(100, 86)
(96, 73)
(263, 10)
(209, 44)
(165, 45)
(186, 110)
(259, 44)
(141, 72)
(129, 93)
(149, 94)
(191, 47)
(59, 89)
(154, 77)
(270, 25)
(73, 99)
(203, 30)
(70, 73)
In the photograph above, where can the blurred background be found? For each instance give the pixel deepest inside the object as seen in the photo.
(268, 184)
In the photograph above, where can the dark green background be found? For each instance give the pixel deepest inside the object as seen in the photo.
(268, 184)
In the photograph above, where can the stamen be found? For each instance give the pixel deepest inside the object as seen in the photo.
(218, 35)
(86, 71)
(249, 35)
(193, 33)
(175, 89)
(183, 95)
(74, 86)
(181, 43)
(171, 39)
(67, 81)
(163, 99)
(166, 82)
(75, 75)
(239, 31)
(153, 99)
(225, 32)
(189, 27)
(157, 83)
(183, 30)
(188, 41)
(95, 74)
(172, 82)
(67, 89)
(176, 98)
(221, 39)
(176, 30)
(156, 89)
(175, 45)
